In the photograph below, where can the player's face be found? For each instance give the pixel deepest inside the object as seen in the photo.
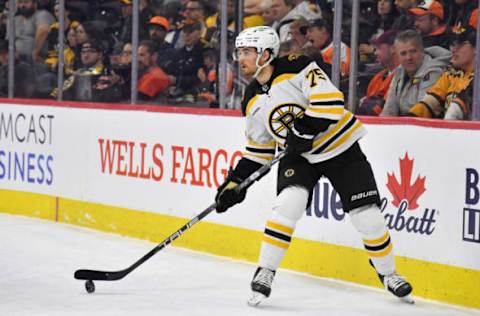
(463, 55)
(410, 56)
(247, 58)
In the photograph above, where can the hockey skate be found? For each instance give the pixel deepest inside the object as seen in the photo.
(261, 285)
(398, 286)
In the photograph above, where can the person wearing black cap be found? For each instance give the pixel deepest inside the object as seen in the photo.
(93, 81)
(451, 97)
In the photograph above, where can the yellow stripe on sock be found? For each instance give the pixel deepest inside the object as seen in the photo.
(276, 243)
(382, 253)
(284, 229)
(378, 241)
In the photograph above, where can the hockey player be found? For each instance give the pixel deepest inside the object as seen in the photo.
(292, 105)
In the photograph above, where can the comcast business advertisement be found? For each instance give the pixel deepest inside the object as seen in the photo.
(172, 163)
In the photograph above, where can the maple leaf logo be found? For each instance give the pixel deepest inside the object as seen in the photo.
(404, 190)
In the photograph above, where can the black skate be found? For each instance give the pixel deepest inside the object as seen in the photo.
(398, 286)
(261, 285)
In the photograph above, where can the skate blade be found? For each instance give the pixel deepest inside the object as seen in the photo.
(256, 299)
(408, 299)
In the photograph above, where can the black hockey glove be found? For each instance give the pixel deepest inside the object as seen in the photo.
(227, 196)
(298, 142)
(300, 137)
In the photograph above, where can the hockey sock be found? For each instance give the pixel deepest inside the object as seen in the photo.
(370, 224)
(289, 207)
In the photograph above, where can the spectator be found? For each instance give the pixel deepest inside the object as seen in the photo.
(189, 60)
(31, 30)
(144, 16)
(319, 35)
(3, 68)
(372, 103)
(207, 75)
(386, 14)
(451, 96)
(298, 33)
(213, 22)
(194, 12)
(466, 15)
(79, 86)
(267, 12)
(152, 79)
(122, 67)
(287, 11)
(52, 41)
(404, 20)
(429, 16)
(419, 70)
(158, 28)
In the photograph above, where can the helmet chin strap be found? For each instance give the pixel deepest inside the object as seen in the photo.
(259, 68)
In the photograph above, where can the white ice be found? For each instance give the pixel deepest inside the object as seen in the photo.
(38, 259)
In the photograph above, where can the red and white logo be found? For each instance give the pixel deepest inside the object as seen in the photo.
(407, 215)
(405, 190)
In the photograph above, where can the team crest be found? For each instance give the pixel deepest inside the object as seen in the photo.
(289, 173)
(282, 117)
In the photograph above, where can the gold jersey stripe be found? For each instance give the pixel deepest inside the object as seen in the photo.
(251, 143)
(333, 131)
(282, 228)
(276, 243)
(327, 95)
(250, 104)
(382, 253)
(344, 137)
(282, 78)
(327, 110)
(378, 241)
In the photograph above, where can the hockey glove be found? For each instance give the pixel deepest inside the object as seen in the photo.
(227, 196)
(298, 142)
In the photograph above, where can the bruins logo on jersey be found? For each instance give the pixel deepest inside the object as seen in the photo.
(282, 116)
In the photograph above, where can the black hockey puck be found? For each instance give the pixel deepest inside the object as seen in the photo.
(90, 286)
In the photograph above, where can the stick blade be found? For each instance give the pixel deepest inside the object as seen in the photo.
(98, 275)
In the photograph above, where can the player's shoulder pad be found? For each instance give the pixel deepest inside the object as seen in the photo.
(250, 92)
(292, 63)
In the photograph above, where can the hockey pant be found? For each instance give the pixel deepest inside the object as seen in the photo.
(289, 207)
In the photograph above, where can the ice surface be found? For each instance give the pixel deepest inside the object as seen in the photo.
(38, 259)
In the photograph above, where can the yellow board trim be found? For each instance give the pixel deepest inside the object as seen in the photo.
(441, 282)
(284, 229)
(378, 241)
(276, 243)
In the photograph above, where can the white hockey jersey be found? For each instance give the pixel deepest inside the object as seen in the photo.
(298, 86)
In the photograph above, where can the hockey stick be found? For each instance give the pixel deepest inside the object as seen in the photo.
(90, 275)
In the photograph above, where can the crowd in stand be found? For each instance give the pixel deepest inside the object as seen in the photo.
(416, 58)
